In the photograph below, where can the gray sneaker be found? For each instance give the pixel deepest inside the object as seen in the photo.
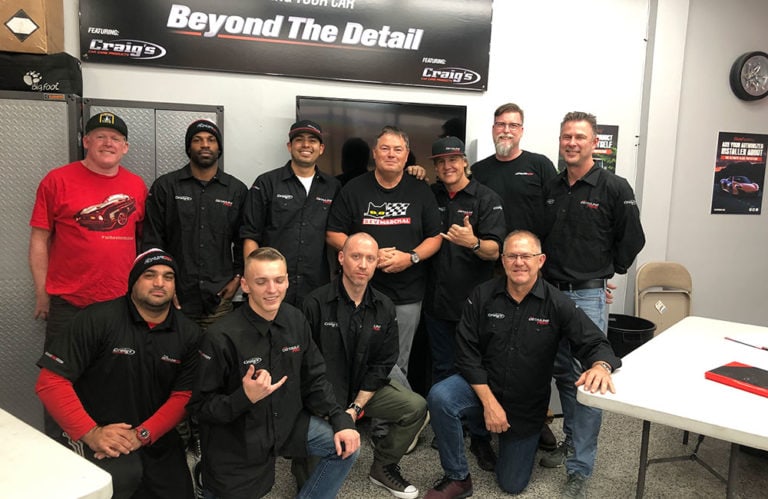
(557, 457)
(389, 477)
(575, 487)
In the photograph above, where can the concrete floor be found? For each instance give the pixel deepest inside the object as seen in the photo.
(615, 474)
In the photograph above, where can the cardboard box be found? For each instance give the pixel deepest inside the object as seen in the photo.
(32, 26)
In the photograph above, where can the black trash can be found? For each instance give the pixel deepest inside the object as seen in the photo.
(626, 332)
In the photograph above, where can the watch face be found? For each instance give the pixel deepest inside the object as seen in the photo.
(749, 76)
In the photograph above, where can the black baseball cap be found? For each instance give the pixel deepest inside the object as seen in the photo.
(107, 120)
(306, 126)
(447, 146)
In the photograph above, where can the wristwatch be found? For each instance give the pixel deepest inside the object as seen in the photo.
(358, 410)
(143, 435)
(415, 257)
(605, 366)
(477, 245)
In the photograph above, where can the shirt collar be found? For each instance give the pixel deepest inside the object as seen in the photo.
(186, 174)
(591, 177)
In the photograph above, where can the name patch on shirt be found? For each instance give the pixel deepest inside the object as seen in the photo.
(123, 351)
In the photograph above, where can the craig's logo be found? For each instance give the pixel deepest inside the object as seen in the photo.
(291, 349)
(134, 49)
(166, 358)
(527, 174)
(252, 361)
(182, 198)
(330, 324)
(457, 76)
(226, 203)
(590, 205)
(465, 212)
(539, 321)
(284, 196)
(496, 315)
(123, 351)
(324, 200)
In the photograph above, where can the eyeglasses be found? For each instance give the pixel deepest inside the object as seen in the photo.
(524, 257)
(503, 126)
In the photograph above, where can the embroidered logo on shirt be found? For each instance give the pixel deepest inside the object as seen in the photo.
(204, 355)
(182, 198)
(123, 351)
(465, 212)
(226, 203)
(527, 174)
(591, 205)
(630, 202)
(330, 324)
(539, 321)
(292, 349)
(377, 327)
(387, 214)
(324, 200)
(284, 196)
(166, 358)
(498, 207)
(252, 361)
(496, 315)
(550, 201)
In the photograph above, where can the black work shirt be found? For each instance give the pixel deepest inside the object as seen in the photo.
(593, 227)
(280, 214)
(240, 439)
(329, 312)
(520, 184)
(121, 369)
(198, 223)
(511, 347)
(401, 217)
(456, 270)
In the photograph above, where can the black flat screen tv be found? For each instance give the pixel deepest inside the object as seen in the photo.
(343, 119)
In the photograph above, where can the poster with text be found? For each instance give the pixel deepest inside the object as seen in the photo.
(442, 44)
(739, 173)
(605, 151)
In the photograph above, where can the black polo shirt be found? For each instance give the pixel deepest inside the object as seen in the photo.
(520, 184)
(512, 346)
(456, 270)
(401, 217)
(121, 370)
(593, 228)
(357, 359)
(241, 439)
(279, 213)
(199, 224)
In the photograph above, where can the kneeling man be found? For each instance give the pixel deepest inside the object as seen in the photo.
(506, 344)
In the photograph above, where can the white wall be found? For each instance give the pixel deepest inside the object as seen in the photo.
(550, 56)
(724, 253)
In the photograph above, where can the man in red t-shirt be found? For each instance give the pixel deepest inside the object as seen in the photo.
(85, 224)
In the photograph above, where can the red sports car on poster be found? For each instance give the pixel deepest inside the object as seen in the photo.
(739, 185)
(110, 214)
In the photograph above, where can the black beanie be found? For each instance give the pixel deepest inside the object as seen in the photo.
(150, 258)
(203, 126)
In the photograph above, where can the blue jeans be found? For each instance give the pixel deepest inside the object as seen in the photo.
(452, 400)
(442, 343)
(581, 424)
(330, 473)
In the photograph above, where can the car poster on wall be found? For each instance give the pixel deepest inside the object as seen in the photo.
(443, 44)
(739, 173)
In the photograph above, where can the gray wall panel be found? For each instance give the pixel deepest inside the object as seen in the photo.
(35, 138)
(172, 127)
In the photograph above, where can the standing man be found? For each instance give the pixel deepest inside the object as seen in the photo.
(195, 214)
(401, 214)
(593, 231)
(517, 176)
(473, 220)
(118, 379)
(287, 208)
(507, 342)
(263, 393)
(86, 225)
(355, 327)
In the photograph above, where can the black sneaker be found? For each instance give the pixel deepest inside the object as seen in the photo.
(483, 451)
(389, 477)
(557, 457)
(575, 487)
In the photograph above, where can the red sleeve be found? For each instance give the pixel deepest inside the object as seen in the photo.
(59, 398)
(168, 415)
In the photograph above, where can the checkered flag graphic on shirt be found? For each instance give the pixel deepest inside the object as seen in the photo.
(396, 209)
